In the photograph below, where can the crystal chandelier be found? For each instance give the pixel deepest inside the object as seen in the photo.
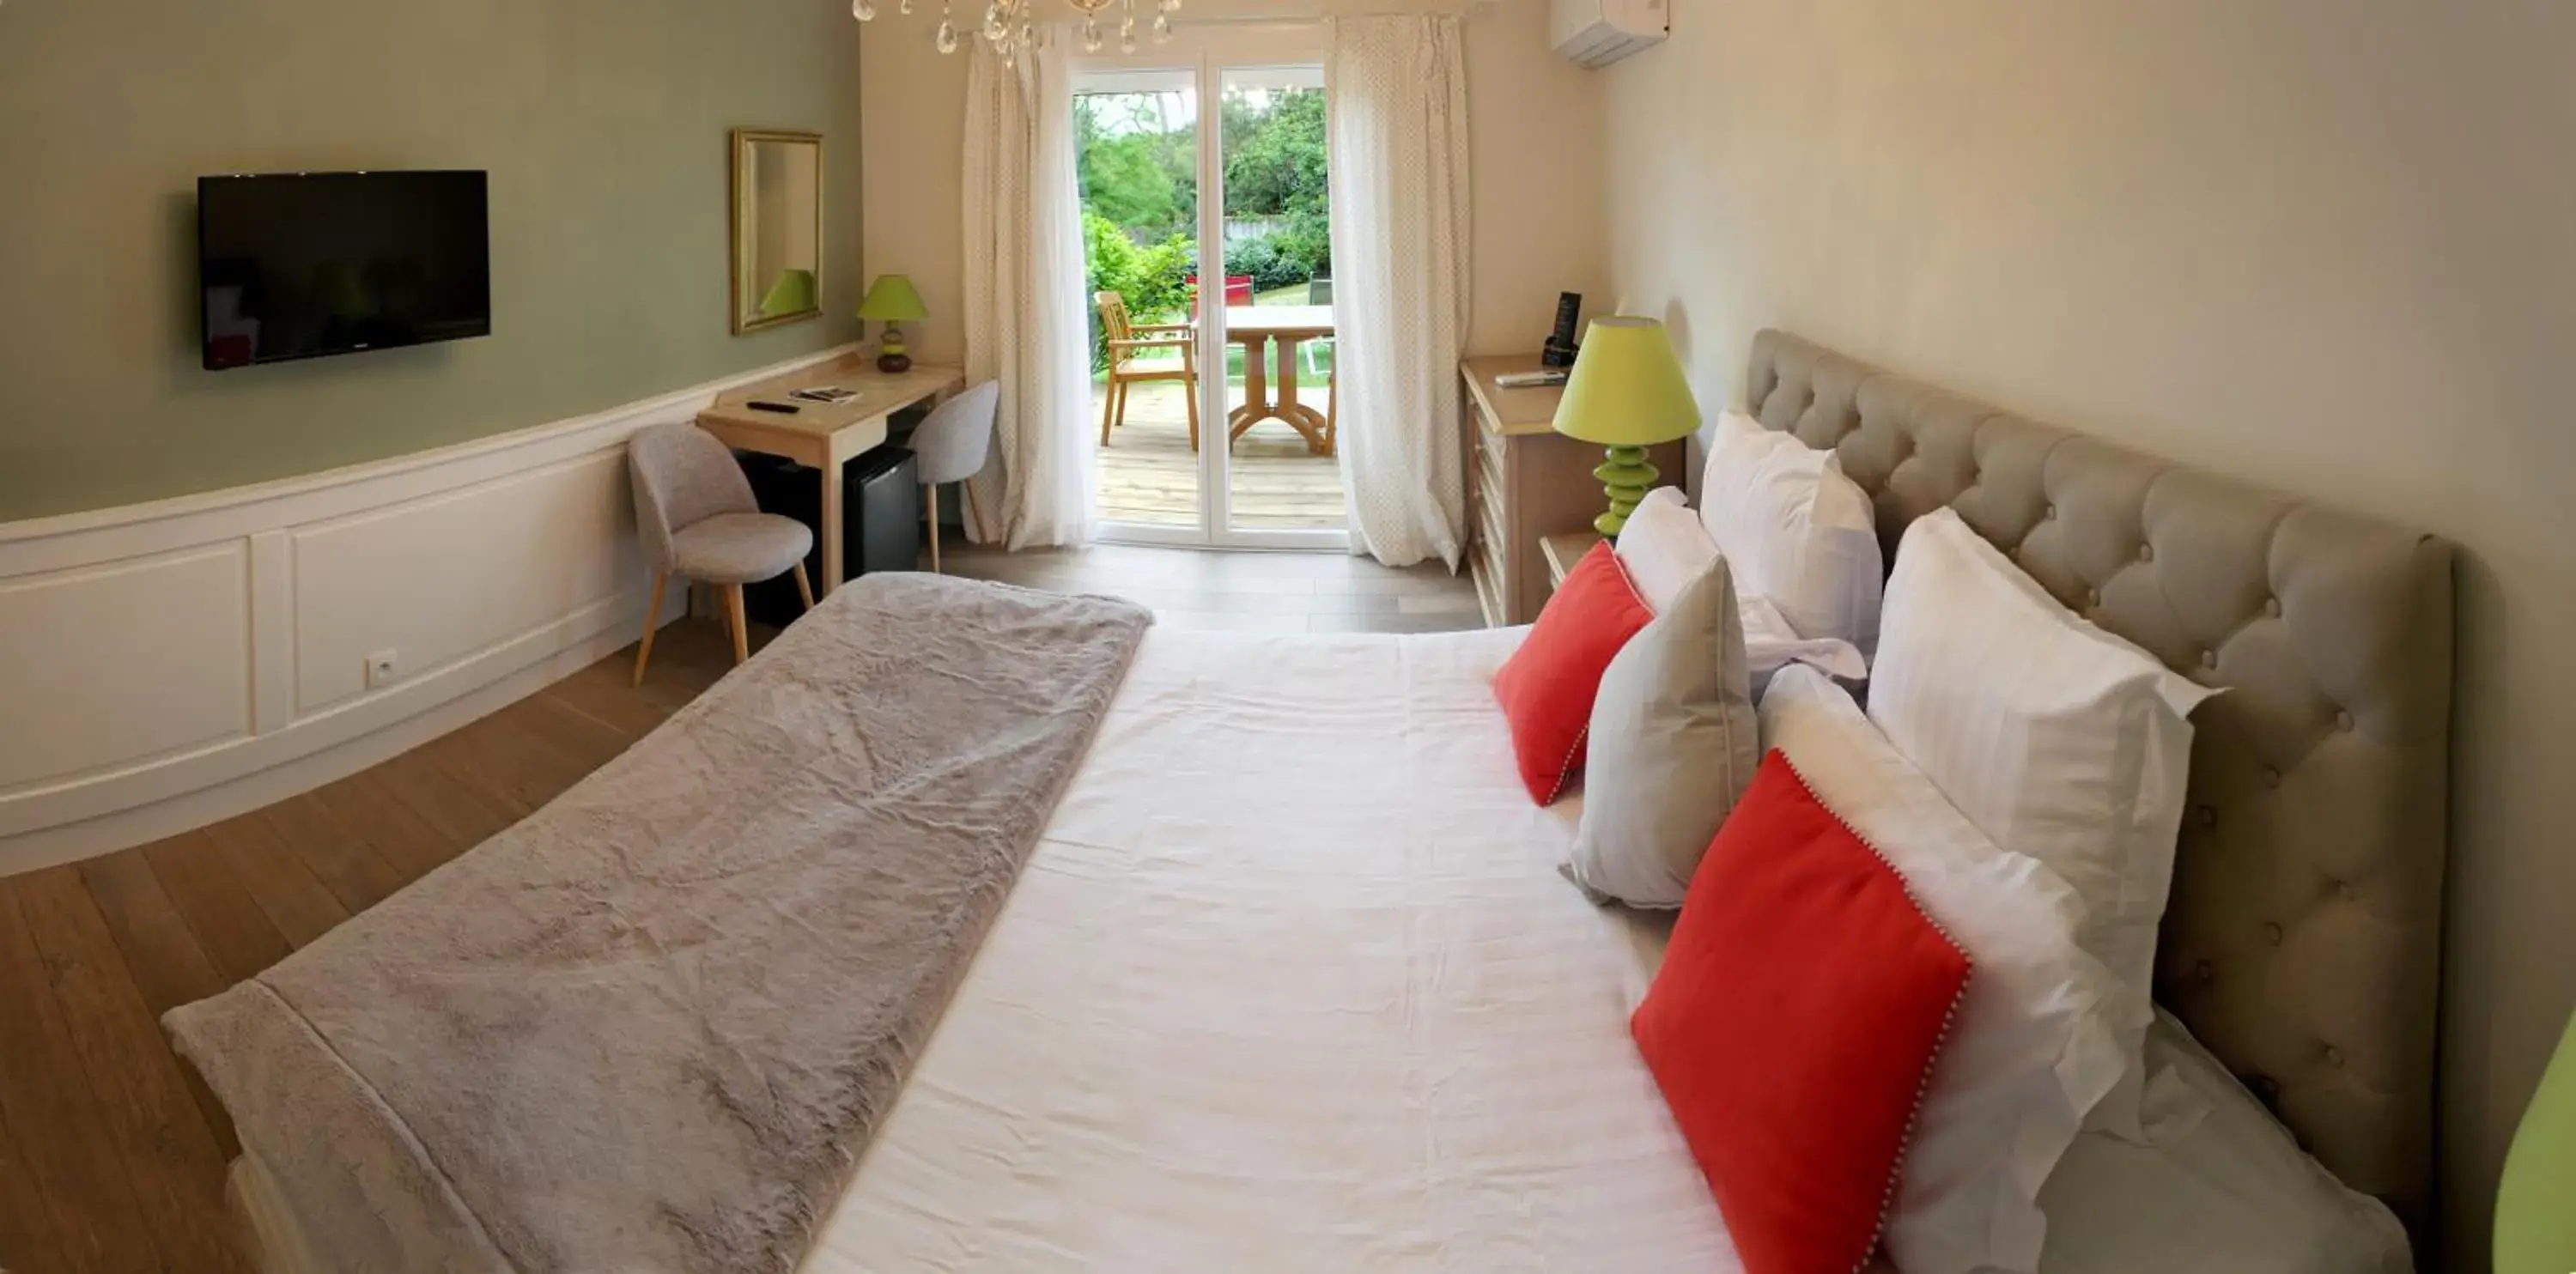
(1008, 27)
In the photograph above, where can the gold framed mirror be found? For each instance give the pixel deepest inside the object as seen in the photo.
(777, 233)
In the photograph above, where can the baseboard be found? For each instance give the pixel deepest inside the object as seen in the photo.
(176, 664)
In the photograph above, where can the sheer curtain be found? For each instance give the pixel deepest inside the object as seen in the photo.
(1398, 150)
(1024, 303)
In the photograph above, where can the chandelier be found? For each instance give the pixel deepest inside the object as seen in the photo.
(1008, 27)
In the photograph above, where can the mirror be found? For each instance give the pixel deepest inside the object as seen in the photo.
(777, 228)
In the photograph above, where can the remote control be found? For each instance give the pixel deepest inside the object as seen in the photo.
(784, 409)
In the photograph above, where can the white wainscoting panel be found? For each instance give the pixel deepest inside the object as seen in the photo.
(116, 666)
(174, 664)
(449, 577)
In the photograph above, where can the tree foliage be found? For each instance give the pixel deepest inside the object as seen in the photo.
(1138, 172)
(1121, 182)
(1274, 155)
(1275, 167)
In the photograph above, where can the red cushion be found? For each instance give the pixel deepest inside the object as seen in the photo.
(1547, 686)
(1793, 1027)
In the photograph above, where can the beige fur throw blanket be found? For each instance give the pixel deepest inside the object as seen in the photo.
(652, 1027)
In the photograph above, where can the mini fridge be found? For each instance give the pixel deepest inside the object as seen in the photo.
(880, 515)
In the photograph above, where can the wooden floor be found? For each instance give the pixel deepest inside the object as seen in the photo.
(1149, 475)
(112, 1152)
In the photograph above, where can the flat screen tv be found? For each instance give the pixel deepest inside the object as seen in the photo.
(300, 265)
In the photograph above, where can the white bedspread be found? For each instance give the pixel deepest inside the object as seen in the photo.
(1291, 984)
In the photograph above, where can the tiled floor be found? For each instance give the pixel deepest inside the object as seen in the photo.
(1253, 592)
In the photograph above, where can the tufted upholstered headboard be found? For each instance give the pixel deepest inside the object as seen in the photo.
(2303, 940)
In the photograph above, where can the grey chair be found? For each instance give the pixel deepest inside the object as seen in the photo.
(950, 446)
(699, 521)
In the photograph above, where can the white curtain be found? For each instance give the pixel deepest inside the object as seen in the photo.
(1399, 162)
(1025, 310)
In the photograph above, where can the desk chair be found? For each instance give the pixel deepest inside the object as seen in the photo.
(950, 445)
(698, 520)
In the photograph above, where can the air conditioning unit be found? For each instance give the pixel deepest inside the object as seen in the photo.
(1600, 32)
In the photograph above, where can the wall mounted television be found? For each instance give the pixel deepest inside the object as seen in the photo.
(304, 265)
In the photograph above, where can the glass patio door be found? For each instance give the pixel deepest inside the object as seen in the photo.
(1216, 410)
(1136, 147)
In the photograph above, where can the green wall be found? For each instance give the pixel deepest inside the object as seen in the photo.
(603, 126)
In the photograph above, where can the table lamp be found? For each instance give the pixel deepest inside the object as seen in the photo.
(1626, 393)
(2535, 1229)
(891, 300)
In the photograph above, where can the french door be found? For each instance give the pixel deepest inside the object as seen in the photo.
(1206, 218)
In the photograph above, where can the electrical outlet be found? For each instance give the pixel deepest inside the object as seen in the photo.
(381, 667)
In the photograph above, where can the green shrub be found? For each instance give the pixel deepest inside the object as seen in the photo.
(1269, 267)
(1154, 280)
(1308, 241)
(1162, 280)
(1106, 251)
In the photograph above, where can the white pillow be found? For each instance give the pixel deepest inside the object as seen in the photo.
(2039, 1038)
(2218, 1186)
(1799, 534)
(2058, 740)
(1665, 547)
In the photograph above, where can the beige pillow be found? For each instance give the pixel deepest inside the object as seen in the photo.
(1672, 747)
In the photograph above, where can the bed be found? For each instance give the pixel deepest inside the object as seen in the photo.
(1289, 981)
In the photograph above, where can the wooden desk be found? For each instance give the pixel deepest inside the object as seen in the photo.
(826, 436)
(1525, 483)
(1286, 326)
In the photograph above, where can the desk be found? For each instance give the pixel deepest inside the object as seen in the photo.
(823, 435)
(1255, 326)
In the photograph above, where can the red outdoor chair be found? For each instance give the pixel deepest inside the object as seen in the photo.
(1238, 291)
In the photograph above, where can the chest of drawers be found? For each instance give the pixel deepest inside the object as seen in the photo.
(1525, 482)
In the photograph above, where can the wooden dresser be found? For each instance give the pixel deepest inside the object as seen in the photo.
(1525, 482)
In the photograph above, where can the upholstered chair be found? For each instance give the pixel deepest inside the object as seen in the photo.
(698, 520)
(950, 446)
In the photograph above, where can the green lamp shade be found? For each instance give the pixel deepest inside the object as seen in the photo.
(1627, 388)
(893, 300)
(793, 293)
(2535, 1229)
(1627, 393)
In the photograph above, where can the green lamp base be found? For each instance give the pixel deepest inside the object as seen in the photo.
(891, 358)
(1626, 477)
